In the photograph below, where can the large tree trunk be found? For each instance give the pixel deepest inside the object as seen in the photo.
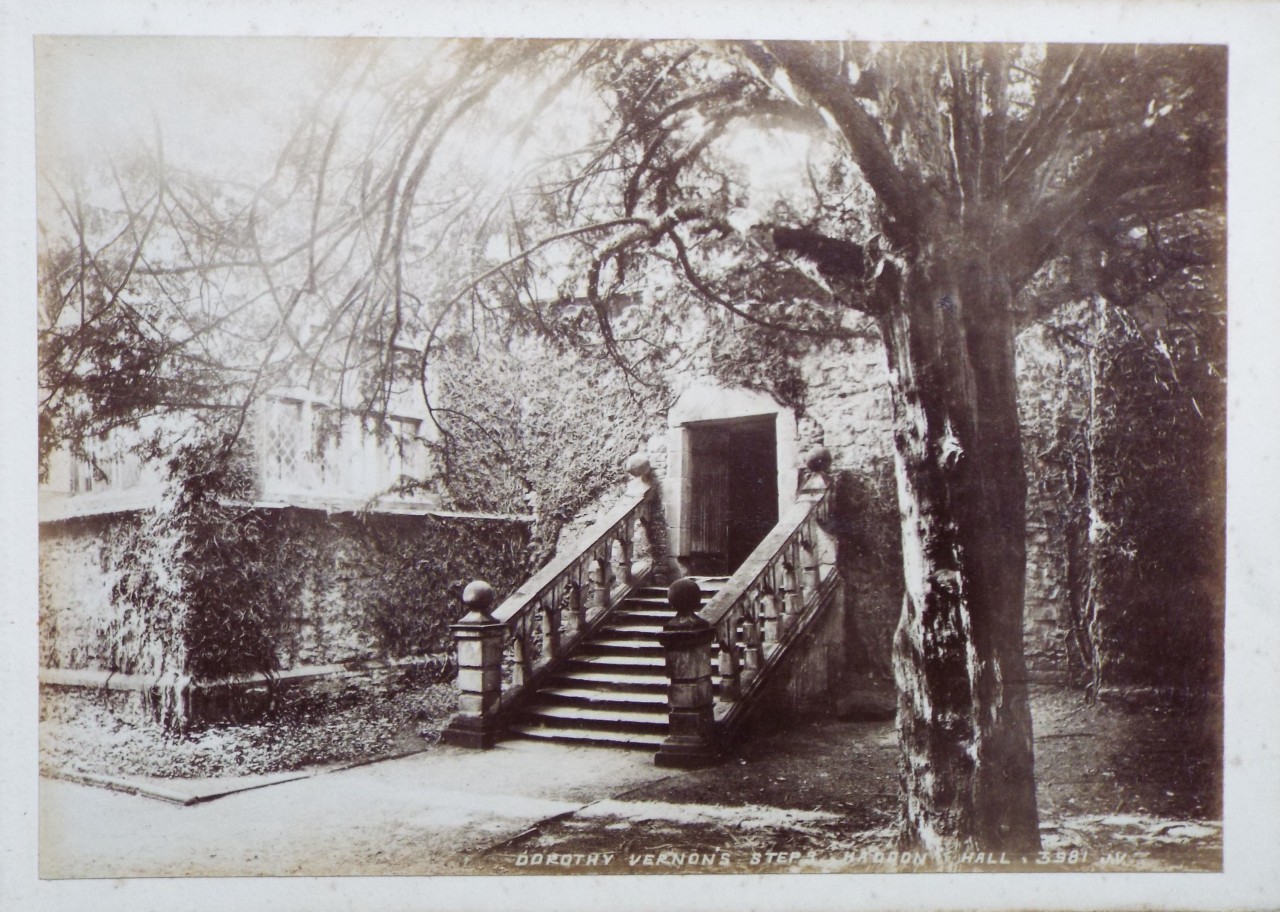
(963, 718)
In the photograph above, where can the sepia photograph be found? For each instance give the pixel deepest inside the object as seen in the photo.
(510, 456)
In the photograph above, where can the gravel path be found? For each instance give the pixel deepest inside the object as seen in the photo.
(430, 813)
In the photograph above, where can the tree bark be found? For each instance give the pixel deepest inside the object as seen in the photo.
(964, 723)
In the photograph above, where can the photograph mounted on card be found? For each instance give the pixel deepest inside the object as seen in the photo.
(626, 456)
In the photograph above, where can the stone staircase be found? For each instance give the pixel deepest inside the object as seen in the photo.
(613, 689)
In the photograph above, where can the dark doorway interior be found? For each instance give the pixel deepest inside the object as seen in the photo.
(733, 491)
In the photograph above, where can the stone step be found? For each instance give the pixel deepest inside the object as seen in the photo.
(590, 716)
(632, 618)
(602, 737)
(619, 680)
(648, 602)
(615, 680)
(643, 664)
(613, 690)
(600, 695)
(647, 610)
(626, 646)
(659, 596)
(629, 629)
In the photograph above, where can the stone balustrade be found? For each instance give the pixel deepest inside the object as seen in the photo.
(762, 606)
(546, 617)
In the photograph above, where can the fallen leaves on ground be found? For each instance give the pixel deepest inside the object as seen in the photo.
(80, 735)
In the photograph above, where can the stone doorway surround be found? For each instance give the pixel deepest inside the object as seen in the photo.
(705, 402)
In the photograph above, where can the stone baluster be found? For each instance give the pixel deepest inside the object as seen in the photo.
(551, 623)
(686, 642)
(521, 652)
(577, 620)
(795, 551)
(791, 595)
(599, 576)
(478, 638)
(809, 558)
(769, 620)
(622, 553)
(751, 653)
(727, 662)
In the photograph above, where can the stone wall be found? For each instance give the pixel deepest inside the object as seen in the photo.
(355, 576)
(75, 587)
(839, 390)
(816, 667)
(382, 586)
(1050, 411)
(366, 586)
(846, 408)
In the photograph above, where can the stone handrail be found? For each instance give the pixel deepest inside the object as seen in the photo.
(755, 614)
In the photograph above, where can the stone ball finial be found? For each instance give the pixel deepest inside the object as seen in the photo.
(685, 596)
(818, 459)
(638, 465)
(479, 597)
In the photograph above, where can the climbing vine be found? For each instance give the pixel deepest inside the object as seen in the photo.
(1124, 419)
(758, 358)
(538, 428)
(205, 585)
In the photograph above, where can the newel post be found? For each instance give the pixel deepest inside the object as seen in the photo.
(818, 463)
(686, 641)
(821, 549)
(479, 641)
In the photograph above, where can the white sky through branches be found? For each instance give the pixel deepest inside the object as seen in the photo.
(218, 101)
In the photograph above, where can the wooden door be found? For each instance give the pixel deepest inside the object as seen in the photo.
(731, 500)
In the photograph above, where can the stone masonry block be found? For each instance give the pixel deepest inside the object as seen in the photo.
(688, 665)
(690, 693)
(476, 680)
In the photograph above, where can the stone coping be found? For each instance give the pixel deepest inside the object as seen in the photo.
(70, 508)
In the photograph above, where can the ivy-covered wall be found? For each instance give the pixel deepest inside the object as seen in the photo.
(1155, 603)
(75, 588)
(343, 587)
(1054, 413)
(532, 424)
(532, 427)
(544, 428)
(1124, 437)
